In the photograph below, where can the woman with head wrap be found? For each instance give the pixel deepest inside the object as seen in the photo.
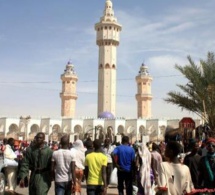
(79, 150)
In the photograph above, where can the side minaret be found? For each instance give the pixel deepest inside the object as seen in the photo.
(108, 32)
(144, 96)
(68, 94)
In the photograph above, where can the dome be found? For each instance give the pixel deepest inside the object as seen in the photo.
(107, 115)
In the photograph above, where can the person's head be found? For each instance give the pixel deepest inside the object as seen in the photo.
(136, 145)
(143, 151)
(193, 146)
(39, 139)
(64, 141)
(203, 145)
(10, 141)
(210, 145)
(173, 149)
(155, 147)
(16, 148)
(89, 144)
(107, 142)
(16, 144)
(125, 140)
(78, 144)
(97, 143)
(5, 141)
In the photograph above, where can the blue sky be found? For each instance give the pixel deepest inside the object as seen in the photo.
(37, 38)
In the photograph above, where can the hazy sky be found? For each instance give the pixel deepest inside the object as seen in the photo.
(37, 38)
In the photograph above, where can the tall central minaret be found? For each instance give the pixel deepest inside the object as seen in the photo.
(108, 31)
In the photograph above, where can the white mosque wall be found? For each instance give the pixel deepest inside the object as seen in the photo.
(89, 127)
(117, 125)
(173, 123)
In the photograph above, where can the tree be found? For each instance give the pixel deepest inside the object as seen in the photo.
(198, 95)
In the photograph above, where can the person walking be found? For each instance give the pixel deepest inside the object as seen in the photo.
(37, 159)
(173, 177)
(79, 150)
(11, 168)
(124, 157)
(95, 169)
(108, 149)
(192, 161)
(207, 166)
(145, 183)
(156, 160)
(63, 168)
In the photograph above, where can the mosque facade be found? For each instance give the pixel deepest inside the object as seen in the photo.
(106, 124)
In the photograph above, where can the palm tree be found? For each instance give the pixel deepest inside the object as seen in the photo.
(198, 95)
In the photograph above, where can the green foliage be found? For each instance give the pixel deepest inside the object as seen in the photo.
(198, 95)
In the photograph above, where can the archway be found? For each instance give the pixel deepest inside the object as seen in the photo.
(1, 128)
(161, 133)
(66, 129)
(131, 134)
(45, 129)
(142, 131)
(88, 132)
(100, 134)
(79, 132)
(152, 132)
(120, 130)
(120, 133)
(56, 133)
(2, 132)
(13, 131)
(110, 133)
(33, 131)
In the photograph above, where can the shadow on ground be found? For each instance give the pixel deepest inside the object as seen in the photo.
(11, 193)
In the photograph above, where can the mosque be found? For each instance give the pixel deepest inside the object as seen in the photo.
(107, 124)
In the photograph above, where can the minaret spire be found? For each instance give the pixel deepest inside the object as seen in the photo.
(108, 12)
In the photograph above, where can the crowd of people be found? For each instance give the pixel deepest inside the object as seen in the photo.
(142, 168)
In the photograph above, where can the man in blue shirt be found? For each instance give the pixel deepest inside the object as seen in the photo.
(124, 156)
